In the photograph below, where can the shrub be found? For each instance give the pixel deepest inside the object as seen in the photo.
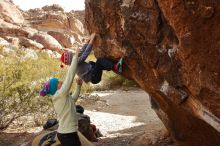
(20, 82)
(15, 93)
(19, 86)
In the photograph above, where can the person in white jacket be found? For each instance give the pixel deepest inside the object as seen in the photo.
(64, 105)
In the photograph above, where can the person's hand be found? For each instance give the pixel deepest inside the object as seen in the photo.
(92, 36)
(79, 81)
(78, 50)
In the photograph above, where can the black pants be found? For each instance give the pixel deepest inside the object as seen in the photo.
(97, 68)
(69, 139)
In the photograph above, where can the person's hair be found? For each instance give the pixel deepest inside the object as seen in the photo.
(49, 87)
(79, 109)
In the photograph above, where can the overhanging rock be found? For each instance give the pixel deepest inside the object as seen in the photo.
(171, 49)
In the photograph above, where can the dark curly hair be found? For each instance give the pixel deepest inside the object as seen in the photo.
(79, 109)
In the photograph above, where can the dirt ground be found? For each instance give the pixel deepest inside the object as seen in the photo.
(125, 118)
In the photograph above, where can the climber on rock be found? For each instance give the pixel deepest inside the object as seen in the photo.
(91, 71)
(64, 105)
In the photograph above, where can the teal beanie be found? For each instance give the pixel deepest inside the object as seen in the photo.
(53, 86)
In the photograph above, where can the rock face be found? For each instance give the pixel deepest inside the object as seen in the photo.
(171, 49)
(64, 39)
(47, 28)
(53, 18)
(10, 13)
(80, 15)
(53, 7)
(30, 43)
(48, 41)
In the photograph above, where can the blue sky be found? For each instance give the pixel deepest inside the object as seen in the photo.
(66, 4)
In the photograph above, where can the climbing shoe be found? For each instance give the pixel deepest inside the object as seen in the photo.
(119, 65)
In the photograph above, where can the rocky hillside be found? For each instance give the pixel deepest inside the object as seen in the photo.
(49, 28)
(171, 49)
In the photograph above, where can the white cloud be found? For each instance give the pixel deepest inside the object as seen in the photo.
(68, 5)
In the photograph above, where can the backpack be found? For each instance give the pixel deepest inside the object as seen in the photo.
(85, 128)
(48, 138)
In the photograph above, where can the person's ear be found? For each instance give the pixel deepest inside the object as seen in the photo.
(59, 85)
